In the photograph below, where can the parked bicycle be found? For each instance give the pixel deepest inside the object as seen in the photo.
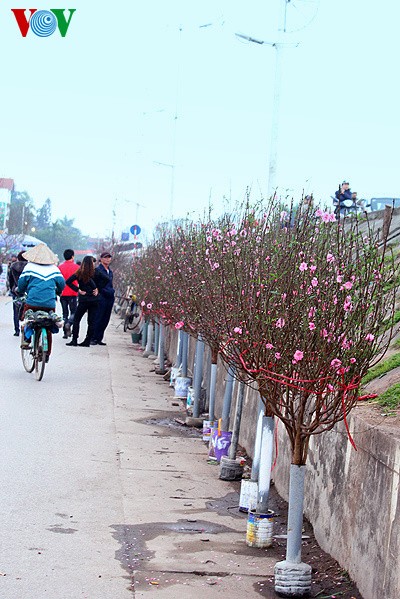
(132, 316)
(37, 327)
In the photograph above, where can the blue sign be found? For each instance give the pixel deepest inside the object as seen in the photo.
(135, 229)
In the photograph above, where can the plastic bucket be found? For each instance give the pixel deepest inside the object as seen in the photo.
(174, 374)
(259, 529)
(207, 426)
(220, 443)
(181, 386)
(248, 495)
(136, 337)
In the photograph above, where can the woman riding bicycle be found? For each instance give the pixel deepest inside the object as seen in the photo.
(41, 281)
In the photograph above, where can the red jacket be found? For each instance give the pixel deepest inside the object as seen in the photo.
(68, 268)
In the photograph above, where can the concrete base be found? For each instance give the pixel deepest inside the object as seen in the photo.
(196, 422)
(160, 371)
(230, 469)
(292, 580)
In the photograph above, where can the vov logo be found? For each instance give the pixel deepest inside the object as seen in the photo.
(43, 22)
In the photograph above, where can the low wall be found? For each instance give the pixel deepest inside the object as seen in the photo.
(352, 498)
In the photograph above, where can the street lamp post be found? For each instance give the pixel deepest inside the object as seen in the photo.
(273, 148)
(171, 201)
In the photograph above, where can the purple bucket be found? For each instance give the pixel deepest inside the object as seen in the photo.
(220, 443)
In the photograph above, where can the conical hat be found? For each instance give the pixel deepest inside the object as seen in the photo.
(40, 254)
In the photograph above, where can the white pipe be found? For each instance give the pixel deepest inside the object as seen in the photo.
(255, 468)
(264, 478)
(149, 344)
(213, 384)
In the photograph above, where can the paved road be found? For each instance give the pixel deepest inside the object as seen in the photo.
(102, 496)
(59, 482)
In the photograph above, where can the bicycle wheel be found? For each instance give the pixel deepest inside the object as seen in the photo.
(40, 353)
(28, 357)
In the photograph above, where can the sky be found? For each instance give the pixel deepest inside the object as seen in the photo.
(147, 111)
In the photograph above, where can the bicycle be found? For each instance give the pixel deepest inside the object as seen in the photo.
(35, 356)
(132, 316)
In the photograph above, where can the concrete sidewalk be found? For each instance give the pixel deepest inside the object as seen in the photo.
(183, 534)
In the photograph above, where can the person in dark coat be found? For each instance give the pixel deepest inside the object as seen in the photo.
(14, 273)
(342, 196)
(106, 302)
(87, 283)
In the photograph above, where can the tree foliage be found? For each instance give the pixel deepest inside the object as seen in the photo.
(21, 217)
(62, 234)
(295, 302)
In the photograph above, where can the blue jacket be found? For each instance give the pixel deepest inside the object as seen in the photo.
(346, 195)
(41, 283)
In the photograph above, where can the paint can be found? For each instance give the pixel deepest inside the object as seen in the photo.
(181, 386)
(189, 399)
(248, 495)
(259, 529)
(207, 426)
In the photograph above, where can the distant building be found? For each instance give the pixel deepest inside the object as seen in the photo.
(6, 188)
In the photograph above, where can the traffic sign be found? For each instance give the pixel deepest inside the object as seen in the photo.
(135, 229)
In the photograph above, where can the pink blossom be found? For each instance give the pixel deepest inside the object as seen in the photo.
(284, 215)
(314, 282)
(324, 333)
(298, 355)
(280, 323)
(311, 326)
(336, 363)
(313, 268)
(319, 212)
(237, 330)
(347, 306)
(179, 325)
(353, 360)
(325, 217)
(339, 278)
(312, 312)
(330, 257)
(348, 285)
(303, 266)
(369, 337)
(278, 356)
(269, 346)
(149, 306)
(330, 387)
(283, 296)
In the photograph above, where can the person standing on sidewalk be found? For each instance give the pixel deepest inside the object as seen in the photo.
(106, 302)
(86, 282)
(14, 272)
(69, 297)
